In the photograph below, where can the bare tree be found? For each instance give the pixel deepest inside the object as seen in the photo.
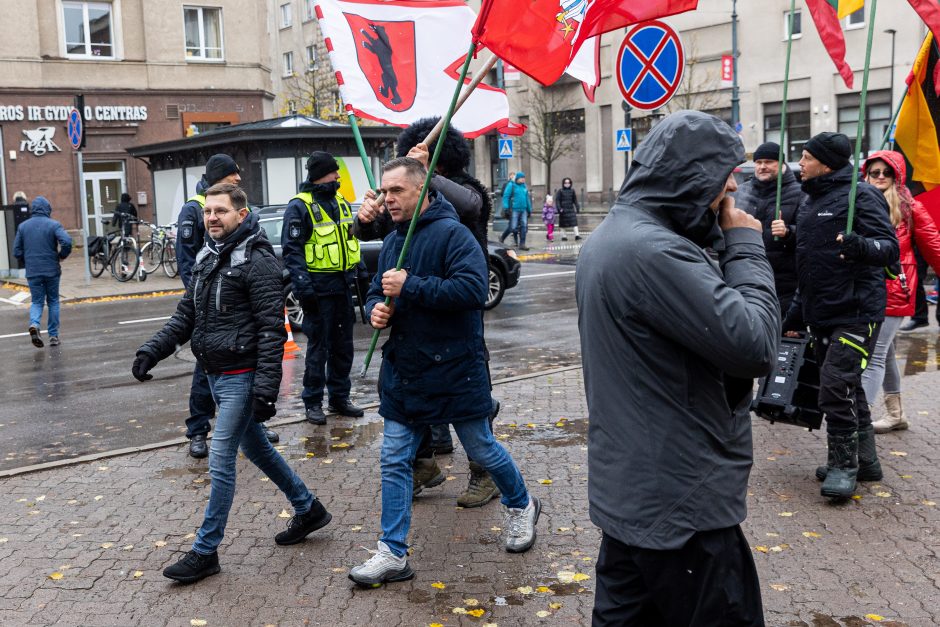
(549, 137)
(314, 91)
(700, 89)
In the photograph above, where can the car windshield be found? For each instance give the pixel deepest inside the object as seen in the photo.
(272, 228)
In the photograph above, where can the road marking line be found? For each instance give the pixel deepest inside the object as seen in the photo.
(12, 302)
(533, 276)
(3, 337)
(144, 320)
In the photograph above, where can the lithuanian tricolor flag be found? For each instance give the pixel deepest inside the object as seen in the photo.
(916, 133)
(826, 15)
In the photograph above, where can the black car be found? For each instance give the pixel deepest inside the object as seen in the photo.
(504, 266)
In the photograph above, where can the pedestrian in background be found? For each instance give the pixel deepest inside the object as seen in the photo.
(671, 342)
(41, 244)
(566, 199)
(237, 330)
(516, 200)
(548, 217)
(758, 197)
(887, 171)
(125, 215)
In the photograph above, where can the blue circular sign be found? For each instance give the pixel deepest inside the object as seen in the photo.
(650, 65)
(75, 128)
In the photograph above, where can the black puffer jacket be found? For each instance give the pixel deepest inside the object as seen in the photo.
(833, 291)
(759, 199)
(233, 310)
(566, 199)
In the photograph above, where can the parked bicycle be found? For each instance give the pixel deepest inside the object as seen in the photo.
(114, 251)
(160, 250)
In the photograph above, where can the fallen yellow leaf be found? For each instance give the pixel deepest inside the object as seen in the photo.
(899, 453)
(490, 625)
(435, 625)
(309, 455)
(356, 528)
(906, 476)
(856, 497)
(555, 606)
(189, 536)
(4, 540)
(127, 547)
(785, 514)
(159, 543)
(543, 613)
(760, 548)
(779, 587)
(107, 545)
(530, 425)
(883, 494)
(929, 503)
(524, 589)
(340, 445)
(439, 585)
(138, 573)
(581, 577)
(326, 461)
(771, 534)
(811, 534)
(284, 514)
(874, 617)
(55, 576)
(476, 613)
(545, 481)
(459, 610)
(544, 589)
(197, 622)
(99, 497)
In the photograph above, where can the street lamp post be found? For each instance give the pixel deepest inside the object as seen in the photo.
(893, 33)
(735, 107)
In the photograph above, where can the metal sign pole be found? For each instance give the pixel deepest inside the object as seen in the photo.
(84, 204)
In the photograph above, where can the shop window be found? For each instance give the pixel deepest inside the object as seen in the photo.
(203, 29)
(287, 17)
(877, 117)
(202, 122)
(798, 126)
(88, 29)
(288, 64)
(797, 24)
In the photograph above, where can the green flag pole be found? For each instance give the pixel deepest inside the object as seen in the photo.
(424, 190)
(894, 118)
(857, 155)
(362, 149)
(781, 156)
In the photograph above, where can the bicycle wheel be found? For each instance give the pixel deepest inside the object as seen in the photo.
(125, 262)
(98, 264)
(150, 256)
(169, 260)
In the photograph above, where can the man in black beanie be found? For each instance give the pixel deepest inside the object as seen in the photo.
(320, 251)
(841, 297)
(758, 197)
(191, 236)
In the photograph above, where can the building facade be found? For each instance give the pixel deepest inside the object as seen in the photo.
(148, 71)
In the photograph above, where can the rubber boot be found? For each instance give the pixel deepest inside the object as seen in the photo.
(425, 474)
(895, 420)
(842, 467)
(869, 468)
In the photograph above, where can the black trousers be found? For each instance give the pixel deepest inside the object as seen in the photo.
(329, 332)
(843, 353)
(920, 296)
(709, 582)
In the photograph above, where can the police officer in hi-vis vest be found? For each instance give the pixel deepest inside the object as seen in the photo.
(320, 252)
(191, 235)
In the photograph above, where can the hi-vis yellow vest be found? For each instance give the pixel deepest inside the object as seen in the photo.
(198, 198)
(331, 247)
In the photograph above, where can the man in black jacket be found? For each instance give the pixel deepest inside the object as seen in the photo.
(671, 342)
(842, 298)
(220, 168)
(758, 197)
(238, 339)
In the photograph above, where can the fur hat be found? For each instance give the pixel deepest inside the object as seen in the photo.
(455, 156)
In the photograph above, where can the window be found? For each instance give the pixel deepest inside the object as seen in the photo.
(311, 58)
(309, 12)
(798, 126)
(566, 122)
(286, 17)
(855, 19)
(797, 24)
(88, 31)
(203, 32)
(288, 63)
(877, 114)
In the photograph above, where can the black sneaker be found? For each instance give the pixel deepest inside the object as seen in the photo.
(345, 408)
(193, 567)
(272, 436)
(35, 337)
(302, 525)
(315, 416)
(198, 447)
(907, 327)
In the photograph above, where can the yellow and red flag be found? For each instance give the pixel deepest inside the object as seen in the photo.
(916, 133)
(826, 15)
(929, 11)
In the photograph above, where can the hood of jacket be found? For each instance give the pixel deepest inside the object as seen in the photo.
(893, 159)
(202, 186)
(439, 209)
(821, 185)
(41, 207)
(237, 244)
(679, 170)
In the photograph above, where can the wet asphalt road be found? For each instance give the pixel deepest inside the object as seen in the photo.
(80, 398)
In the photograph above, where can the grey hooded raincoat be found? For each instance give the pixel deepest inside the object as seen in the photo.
(671, 340)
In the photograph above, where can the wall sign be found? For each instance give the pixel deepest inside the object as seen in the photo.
(56, 113)
(39, 141)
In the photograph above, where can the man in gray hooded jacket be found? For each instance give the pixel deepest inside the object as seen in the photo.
(670, 342)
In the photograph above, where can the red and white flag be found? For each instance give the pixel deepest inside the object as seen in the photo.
(399, 61)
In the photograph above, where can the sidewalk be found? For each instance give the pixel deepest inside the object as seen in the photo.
(85, 544)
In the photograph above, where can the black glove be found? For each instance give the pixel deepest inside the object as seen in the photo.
(310, 304)
(286, 285)
(854, 247)
(143, 364)
(262, 409)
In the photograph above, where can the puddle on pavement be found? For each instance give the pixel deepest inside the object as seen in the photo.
(340, 438)
(561, 433)
(921, 353)
(822, 620)
(175, 473)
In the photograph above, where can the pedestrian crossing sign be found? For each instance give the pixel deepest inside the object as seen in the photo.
(624, 139)
(505, 149)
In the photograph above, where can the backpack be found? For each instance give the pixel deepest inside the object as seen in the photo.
(507, 211)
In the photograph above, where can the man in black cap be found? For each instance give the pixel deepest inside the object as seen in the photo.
(191, 236)
(758, 197)
(841, 297)
(319, 251)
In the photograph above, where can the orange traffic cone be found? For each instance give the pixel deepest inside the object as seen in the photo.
(290, 347)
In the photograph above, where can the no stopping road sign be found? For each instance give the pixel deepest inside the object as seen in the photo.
(650, 65)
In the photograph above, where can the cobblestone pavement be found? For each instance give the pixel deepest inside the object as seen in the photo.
(85, 544)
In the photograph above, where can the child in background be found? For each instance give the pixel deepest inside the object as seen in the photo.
(548, 217)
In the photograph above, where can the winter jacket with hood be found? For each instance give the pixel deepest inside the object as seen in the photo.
(191, 234)
(917, 228)
(233, 310)
(566, 199)
(433, 364)
(671, 340)
(832, 291)
(516, 196)
(41, 242)
(759, 199)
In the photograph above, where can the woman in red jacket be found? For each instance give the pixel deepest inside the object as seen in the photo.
(887, 171)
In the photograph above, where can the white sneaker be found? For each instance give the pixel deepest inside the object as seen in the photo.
(520, 526)
(383, 567)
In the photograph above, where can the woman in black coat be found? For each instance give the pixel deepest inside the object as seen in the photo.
(567, 202)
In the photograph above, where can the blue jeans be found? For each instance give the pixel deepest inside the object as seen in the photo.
(201, 404)
(399, 443)
(518, 226)
(44, 290)
(235, 426)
